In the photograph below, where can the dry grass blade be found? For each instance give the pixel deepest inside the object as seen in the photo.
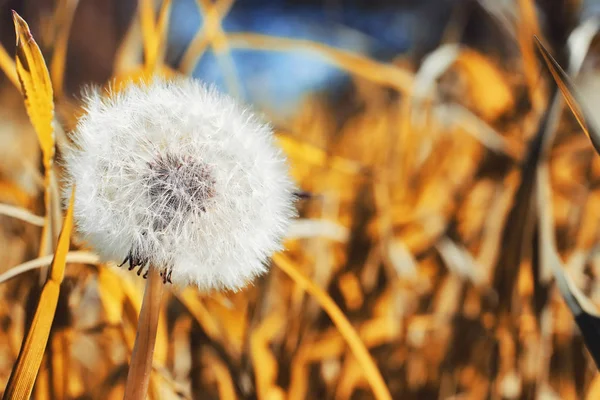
(65, 12)
(579, 42)
(585, 312)
(479, 129)
(7, 65)
(37, 88)
(223, 377)
(79, 257)
(25, 370)
(22, 214)
(212, 18)
(213, 15)
(527, 27)
(517, 230)
(306, 228)
(38, 94)
(433, 66)
(138, 378)
(154, 31)
(310, 154)
(571, 97)
(148, 25)
(380, 73)
(594, 389)
(161, 32)
(265, 363)
(358, 348)
(128, 56)
(198, 310)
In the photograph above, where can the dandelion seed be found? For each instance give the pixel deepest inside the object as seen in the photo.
(176, 176)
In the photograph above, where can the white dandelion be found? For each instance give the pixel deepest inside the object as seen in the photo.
(176, 176)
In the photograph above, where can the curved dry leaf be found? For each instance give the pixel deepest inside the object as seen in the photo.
(585, 312)
(571, 97)
(37, 88)
(579, 42)
(358, 348)
(37, 91)
(381, 73)
(434, 65)
(25, 370)
(73, 257)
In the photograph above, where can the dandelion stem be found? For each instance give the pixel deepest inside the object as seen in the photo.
(140, 367)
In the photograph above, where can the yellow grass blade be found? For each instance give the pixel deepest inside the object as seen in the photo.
(223, 377)
(25, 370)
(147, 20)
(380, 73)
(65, 12)
(526, 28)
(37, 88)
(128, 58)
(213, 14)
(154, 31)
(570, 95)
(161, 33)
(7, 65)
(37, 91)
(357, 347)
(310, 154)
(73, 257)
(265, 363)
(111, 294)
(189, 298)
(212, 17)
(22, 214)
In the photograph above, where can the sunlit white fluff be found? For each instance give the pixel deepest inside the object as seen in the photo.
(176, 176)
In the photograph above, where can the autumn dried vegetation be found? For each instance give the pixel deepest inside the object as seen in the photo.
(439, 204)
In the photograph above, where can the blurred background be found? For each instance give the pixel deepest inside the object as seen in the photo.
(446, 178)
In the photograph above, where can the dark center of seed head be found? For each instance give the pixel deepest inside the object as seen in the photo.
(178, 186)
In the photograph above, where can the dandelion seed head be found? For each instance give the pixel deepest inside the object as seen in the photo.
(180, 177)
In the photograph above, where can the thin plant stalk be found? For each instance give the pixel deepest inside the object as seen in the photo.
(371, 371)
(140, 367)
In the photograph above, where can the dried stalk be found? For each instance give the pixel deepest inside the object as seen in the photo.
(140, 367)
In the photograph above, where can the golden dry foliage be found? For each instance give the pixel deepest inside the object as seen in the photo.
(420, 267)
(37, 91)
(25, 370)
